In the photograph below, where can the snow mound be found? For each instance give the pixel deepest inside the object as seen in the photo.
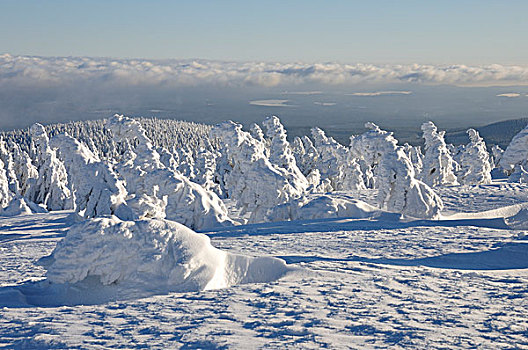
(20, 206)
(326, 206)
(519, 221)
(152, 255)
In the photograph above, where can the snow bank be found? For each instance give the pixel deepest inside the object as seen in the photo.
(325, 206)
(519, 221)
(156, 255)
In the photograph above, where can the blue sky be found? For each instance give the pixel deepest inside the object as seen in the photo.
(437, 32)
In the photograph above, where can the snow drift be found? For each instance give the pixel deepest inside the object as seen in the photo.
(327, 206)
(152, 255)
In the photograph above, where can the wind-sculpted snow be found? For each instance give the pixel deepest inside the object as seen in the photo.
(157, 192)
(153, 255)
(325, 207)
(31, 70)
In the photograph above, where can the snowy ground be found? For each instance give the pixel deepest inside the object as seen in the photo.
(361, 284)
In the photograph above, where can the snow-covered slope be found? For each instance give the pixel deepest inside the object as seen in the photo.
(359, 283)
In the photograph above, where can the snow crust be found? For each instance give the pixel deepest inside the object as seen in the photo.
(152, 254)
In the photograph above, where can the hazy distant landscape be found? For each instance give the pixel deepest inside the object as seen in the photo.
(337, 98)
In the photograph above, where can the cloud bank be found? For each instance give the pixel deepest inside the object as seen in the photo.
(30, 70)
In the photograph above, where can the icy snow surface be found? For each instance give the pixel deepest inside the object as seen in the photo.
(361, 283)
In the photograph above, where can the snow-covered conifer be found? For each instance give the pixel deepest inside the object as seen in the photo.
(414, 153)
(158, 192)
(336, 163)
(185, 162)
(474, 161)
(438, 165)
(51, 188)
(399, 190)
(253, 182)
(281, 155)
(496, 153)
(205, 168)
(95, 186)
(5, 195)
(26, 172)
(516, 153)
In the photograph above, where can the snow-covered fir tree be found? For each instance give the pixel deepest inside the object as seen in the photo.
(252, 181)
(96, 188)
(399, 190)
(157, 192)
(438, 165)
(51, 188)
(475, 167)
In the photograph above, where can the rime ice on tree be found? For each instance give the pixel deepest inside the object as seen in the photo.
(157, 192)
(399, 191)
(96, 188)
(252, 181)
(51, 188)
(474, 161)
(438, 165)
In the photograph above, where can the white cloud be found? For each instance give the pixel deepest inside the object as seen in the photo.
(59, 70)
(509, 94)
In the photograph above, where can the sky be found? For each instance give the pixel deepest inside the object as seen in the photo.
(429, 32)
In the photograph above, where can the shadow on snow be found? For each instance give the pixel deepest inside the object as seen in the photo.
(509, 256)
